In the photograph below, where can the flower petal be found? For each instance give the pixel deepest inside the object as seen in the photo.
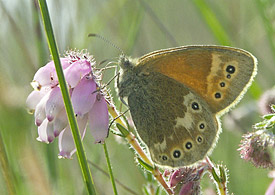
(76, 72)
(45, 132)
(271, 188)
(40, 113)
(65, 63)
(34, 98)
(83, 96)
(66, 142)
(54, 103)
(187, 189)
(60, 122)
(175, 178)
(99, 120)
(46, 75)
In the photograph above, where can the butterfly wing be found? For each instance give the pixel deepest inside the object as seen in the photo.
(174, 122)
(220, 75)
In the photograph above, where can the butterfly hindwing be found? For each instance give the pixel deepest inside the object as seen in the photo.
(171, 120)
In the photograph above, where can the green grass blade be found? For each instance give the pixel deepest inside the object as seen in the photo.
(110, 169)
(68, 105)
(212, 22)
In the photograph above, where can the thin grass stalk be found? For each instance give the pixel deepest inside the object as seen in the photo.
(110, 169)
(130, 191)
(212, 21)
(65, 94)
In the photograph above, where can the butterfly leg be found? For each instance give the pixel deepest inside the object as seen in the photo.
(111, 123)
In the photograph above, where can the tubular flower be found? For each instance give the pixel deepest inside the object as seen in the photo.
(89, 103)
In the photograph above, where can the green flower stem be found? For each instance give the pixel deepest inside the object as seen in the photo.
(220, 180)
(124, 186)
(68, 105)
(110, 168)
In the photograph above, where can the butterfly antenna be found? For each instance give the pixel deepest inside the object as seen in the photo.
(107, 41)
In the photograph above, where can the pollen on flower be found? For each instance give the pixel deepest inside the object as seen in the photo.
(88, 100)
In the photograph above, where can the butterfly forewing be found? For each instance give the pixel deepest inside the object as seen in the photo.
(220, 75)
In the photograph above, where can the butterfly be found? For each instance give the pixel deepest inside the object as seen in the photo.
(176, 97)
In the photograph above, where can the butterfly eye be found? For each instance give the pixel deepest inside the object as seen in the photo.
(195, 106)
(230, 69)
(176, 154)
(188, 145)
(127, 63)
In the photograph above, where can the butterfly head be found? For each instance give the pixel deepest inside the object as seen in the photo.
(126, 63)
(127, 75)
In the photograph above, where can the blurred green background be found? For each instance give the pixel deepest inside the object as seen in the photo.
(137, 27)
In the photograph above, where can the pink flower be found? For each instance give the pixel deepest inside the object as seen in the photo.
(186, 181)
(271, 188)
(88, 102)
(266, 100)
(257, 148)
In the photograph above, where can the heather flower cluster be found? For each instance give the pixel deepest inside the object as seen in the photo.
(258, 147)
(88, 101)
(186, 181)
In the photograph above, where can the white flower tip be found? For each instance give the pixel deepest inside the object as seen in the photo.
(35, 85)
(65, 155)
(30, 111)
(39, 139)
(43, 141)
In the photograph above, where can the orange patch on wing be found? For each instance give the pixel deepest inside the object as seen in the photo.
(190, 68)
